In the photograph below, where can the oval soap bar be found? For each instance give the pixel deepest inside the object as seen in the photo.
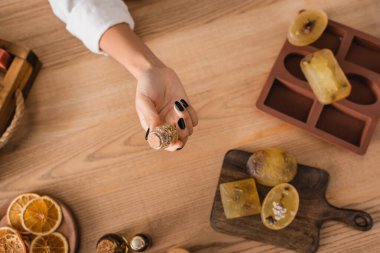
(280, 206)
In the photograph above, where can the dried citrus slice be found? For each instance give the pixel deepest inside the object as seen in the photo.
(41, 216)
(10, 241)
(280, 206)
(7, 231)
(15, 209)
(52, 243)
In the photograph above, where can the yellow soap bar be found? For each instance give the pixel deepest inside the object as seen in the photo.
(325, 76)
(280, 206)
(240, 198)
(272, 166)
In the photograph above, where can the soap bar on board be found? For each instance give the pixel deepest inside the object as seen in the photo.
(240, 198)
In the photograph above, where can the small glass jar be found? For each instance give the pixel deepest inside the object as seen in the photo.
(112, 243)
(140, 242)
(115, 243)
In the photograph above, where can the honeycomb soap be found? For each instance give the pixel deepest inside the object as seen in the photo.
(325, 76)
(240, 198)
(272, 166)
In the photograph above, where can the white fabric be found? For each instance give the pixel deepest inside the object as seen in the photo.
(89, 19)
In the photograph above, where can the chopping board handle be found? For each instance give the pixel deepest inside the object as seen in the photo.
(357, 219)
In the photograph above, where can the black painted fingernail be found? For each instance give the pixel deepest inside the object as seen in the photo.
(147, 133)
(179, 106)
(178, 149)
(185, 104)
(181, 123)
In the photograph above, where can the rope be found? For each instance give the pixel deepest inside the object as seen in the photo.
(7, 135)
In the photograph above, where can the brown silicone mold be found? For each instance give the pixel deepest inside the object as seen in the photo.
(349, 123)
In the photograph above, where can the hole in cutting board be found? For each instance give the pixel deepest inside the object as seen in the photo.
(289, 102)
(362, 90)
(365, 54)
(360, 221)
(341, 125)
(292, 64)
(331, 39)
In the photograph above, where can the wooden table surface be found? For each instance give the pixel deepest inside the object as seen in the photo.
(81, 141)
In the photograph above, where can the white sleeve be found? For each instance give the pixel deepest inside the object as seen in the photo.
(89, 19)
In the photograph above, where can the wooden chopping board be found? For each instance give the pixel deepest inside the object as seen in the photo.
(68, 226)
(21, 74)
(302, 234)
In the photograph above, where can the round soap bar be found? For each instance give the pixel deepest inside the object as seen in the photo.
(272, 166)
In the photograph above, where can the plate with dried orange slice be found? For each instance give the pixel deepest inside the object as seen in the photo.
(33, 223)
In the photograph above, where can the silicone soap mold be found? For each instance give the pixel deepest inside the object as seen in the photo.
(349, 123)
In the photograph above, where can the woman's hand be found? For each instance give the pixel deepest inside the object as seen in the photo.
(161, 98)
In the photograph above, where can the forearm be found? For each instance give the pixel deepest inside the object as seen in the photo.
(128, 49)
(88, 20)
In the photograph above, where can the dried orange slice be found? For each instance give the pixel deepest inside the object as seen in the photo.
(10, 241)
(7, 231)
(15, 209)
(52, 243)
(41, 216)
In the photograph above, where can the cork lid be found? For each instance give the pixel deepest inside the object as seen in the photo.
(112, 243)
(106, 246)
(154, 140)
